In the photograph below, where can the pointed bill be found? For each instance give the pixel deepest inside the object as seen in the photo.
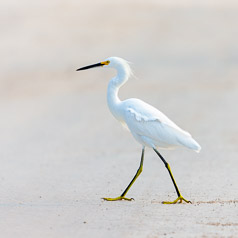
(90, 66)
(93, 65)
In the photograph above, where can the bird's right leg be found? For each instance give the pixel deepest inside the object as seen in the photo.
(122, 197)
(180, 198)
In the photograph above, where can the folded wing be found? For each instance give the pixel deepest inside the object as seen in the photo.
(150, 124)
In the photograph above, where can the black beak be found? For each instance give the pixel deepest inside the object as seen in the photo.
(90, 66)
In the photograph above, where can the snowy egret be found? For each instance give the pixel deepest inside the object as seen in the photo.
(150, 127)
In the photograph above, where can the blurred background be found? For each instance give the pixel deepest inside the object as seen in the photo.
(59, 142)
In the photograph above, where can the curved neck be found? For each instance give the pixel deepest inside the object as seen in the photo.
(112, 91)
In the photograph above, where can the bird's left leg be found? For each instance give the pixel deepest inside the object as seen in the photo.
(180, 198)
(122, 197)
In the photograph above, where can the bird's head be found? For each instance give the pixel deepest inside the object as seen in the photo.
(111, 62)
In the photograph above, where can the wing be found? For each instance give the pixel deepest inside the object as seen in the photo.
(146, 121)
(140, 111)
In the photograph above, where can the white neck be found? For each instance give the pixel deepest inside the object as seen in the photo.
(114, 85)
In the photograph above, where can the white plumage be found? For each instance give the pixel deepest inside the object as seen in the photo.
(148, 125)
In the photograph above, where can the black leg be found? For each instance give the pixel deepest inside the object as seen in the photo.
(122, 197)
(180, 198)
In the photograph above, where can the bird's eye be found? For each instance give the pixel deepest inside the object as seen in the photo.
(108, 62)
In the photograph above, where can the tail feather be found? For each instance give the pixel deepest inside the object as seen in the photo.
(190, 143)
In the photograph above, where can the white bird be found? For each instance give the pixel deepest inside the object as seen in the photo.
(150, 127)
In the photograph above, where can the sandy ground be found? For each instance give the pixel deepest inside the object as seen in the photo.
(62, 151)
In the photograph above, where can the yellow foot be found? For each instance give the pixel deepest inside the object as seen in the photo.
(180, 199)
(118, 198)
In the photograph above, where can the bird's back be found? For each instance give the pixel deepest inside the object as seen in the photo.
(152, 128)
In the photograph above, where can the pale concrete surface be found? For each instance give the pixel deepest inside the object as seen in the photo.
(62, 151)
